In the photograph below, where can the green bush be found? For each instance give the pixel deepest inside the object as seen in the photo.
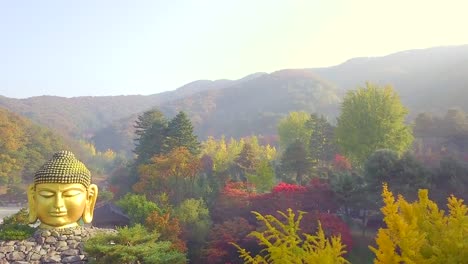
(15, 232)
(132, 245)
(137, 207)
(16, 227)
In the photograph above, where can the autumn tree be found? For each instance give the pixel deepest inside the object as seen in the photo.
(218, 248)
(218, 151)
(420, 232)
(180, 134)
(224, 153)
(174, 174)
(283, 243)
(24, 147)
(372, 118)
(12, 139)
(168, 226)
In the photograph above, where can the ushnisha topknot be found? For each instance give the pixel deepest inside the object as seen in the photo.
(63, 168)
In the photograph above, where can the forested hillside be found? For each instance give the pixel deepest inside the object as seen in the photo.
(429, 80)
(24, 147)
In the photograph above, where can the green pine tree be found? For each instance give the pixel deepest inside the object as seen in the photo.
(150, 129)
(321, 146)
(180, 134)
(295, 161)
(245, 163)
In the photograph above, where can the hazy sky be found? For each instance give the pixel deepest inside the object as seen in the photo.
(111, 47)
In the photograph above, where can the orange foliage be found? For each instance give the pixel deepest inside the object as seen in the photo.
(173, 174)
(168, 227)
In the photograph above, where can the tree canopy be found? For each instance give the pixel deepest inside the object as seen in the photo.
(372, 118)
(293, 127)
(150, 130)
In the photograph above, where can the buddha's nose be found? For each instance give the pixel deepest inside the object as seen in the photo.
(59, 203)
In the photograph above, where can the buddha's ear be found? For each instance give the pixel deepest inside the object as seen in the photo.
(90, 203)
(32, 204)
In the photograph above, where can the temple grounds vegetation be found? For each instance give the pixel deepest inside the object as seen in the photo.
(315, 189)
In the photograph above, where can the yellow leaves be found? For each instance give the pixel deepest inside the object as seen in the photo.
(283, 244)
(109, 154)
(7, 165)
(223, 154)
(420, 233)
(12, 131)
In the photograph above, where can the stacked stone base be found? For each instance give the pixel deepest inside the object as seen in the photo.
(49, 246)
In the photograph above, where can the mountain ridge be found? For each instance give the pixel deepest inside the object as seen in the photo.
(433, 80)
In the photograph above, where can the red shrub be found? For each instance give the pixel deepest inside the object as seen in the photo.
(289, 188)
(219, 249)
(341, 163)
(331, 224)
(233, 201)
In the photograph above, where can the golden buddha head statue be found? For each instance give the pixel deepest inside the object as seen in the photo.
(62, 193)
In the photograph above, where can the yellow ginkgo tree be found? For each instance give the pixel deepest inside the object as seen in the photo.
(420, 232)
(283, 244)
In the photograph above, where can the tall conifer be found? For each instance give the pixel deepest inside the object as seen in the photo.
(180, 134)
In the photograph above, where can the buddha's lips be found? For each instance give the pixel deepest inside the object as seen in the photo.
(58, 214)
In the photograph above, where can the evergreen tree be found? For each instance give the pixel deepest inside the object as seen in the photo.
(132, 245)
(150, 129)
(180, 134)
(246, 162)
(321, 146)
(295, 161)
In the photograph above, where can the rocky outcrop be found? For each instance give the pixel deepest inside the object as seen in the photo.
(49, 246)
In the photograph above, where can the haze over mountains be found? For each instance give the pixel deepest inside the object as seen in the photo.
(431, 80)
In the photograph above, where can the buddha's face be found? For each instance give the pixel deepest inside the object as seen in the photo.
(59, 205)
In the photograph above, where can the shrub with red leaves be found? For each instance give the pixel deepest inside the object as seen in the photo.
(341, 163)
(316, 199)
(289, 188)
(332, 226)
(219, 249)
(317, 196)
(233, 201)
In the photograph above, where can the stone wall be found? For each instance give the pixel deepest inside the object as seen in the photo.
(49, 246)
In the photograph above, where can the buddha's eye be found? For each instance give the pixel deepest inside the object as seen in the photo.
(46, 194)
(71, 193)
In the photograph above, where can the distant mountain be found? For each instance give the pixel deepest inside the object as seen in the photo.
(251, 106)
(432, 80)
(81, 117)
(255, 105)
(427, 79)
